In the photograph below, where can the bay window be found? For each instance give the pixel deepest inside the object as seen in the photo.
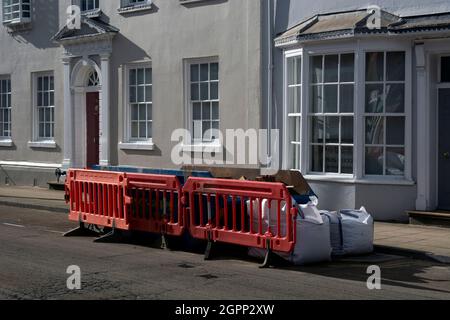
(384, 114)
(294, 109)
(331, 113)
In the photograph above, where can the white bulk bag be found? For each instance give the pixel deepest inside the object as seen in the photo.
(351, 232)
(313, 233)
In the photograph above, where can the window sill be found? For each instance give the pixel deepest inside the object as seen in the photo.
(42, 144)
(367, 180)
(135, 8)
(6, 143)
(147, 146)
(92, 13)
(216, 148)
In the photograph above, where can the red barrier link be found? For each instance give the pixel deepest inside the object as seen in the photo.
(216, 206)
(155, 203)
(97, 197)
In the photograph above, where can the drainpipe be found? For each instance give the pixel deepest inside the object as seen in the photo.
(269, 77)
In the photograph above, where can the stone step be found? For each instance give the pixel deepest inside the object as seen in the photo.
(430, 218)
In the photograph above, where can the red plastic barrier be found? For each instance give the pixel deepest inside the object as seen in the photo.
(224, 210)
(155, 203)
(97, 197)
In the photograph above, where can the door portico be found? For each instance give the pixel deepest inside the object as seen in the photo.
(86, 51)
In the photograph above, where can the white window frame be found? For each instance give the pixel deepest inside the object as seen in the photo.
(96, 6)
(288, 146)
(128, 142)
(407, 114)
(339, 115)
(6, 141)
(37, 141)
(439, 71)
(359, 47)
(20, 11)
(190, 144)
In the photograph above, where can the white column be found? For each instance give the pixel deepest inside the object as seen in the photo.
(68, 119)
(105, 112)
(423, 131)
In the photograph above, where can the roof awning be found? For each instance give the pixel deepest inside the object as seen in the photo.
(355, 23)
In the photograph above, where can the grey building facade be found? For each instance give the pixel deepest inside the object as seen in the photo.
(359, 91)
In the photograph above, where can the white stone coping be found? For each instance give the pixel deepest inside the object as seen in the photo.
(146, 146)
(47, 144)
(6, 143)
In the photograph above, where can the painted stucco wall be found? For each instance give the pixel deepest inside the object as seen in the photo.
(167, 34)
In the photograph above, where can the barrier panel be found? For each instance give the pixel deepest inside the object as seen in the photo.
(97, 198)
(154, 203)
(231, 211)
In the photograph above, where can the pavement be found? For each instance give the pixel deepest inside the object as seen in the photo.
(390, 238)
(34, 259)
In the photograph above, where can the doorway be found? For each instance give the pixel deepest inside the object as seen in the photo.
(92, 129)
(444, 149)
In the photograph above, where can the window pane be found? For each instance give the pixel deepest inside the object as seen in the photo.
(215, 111)
(149, 112)
(330, 95)
(294, 99)
(445, 69)
(142, 129)
(215, 132)
(347, 160)
(317, 158)
(395, 161)
(141, 94)
(214, 71)
(316, 69)
(142, 112)
(197, 129)
(295, 126)
(375, 66)
(195, 73)
(374, 98)
(374, 130)
(316, 99)
(347, 98)
(148, 94)
(195, 92)
(206, 130)
(347, 130)
(204, 70)
(140, 76)
(331, 68)
(206, 111)
(332, 159)
(332, 129)
(148, 76)
(395, 130)
(133, 94)
(197, 111)
(395, 66)
(294, 69)
(295, 161)
(317, 129)
(374, 160)
(204, 94)
(133, 77)
(347, 67)
(395, 98)
(134, 112)
(214, 90)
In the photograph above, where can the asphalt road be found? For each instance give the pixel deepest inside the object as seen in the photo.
(34, 258)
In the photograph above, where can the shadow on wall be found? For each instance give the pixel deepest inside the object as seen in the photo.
(282, 9)
(45, 24)
(119, 57)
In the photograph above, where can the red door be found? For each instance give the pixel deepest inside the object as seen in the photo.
(92, 129)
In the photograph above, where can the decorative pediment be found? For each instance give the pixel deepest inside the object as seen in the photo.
(90, 30)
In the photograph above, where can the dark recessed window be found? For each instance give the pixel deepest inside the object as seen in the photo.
(445, 69)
